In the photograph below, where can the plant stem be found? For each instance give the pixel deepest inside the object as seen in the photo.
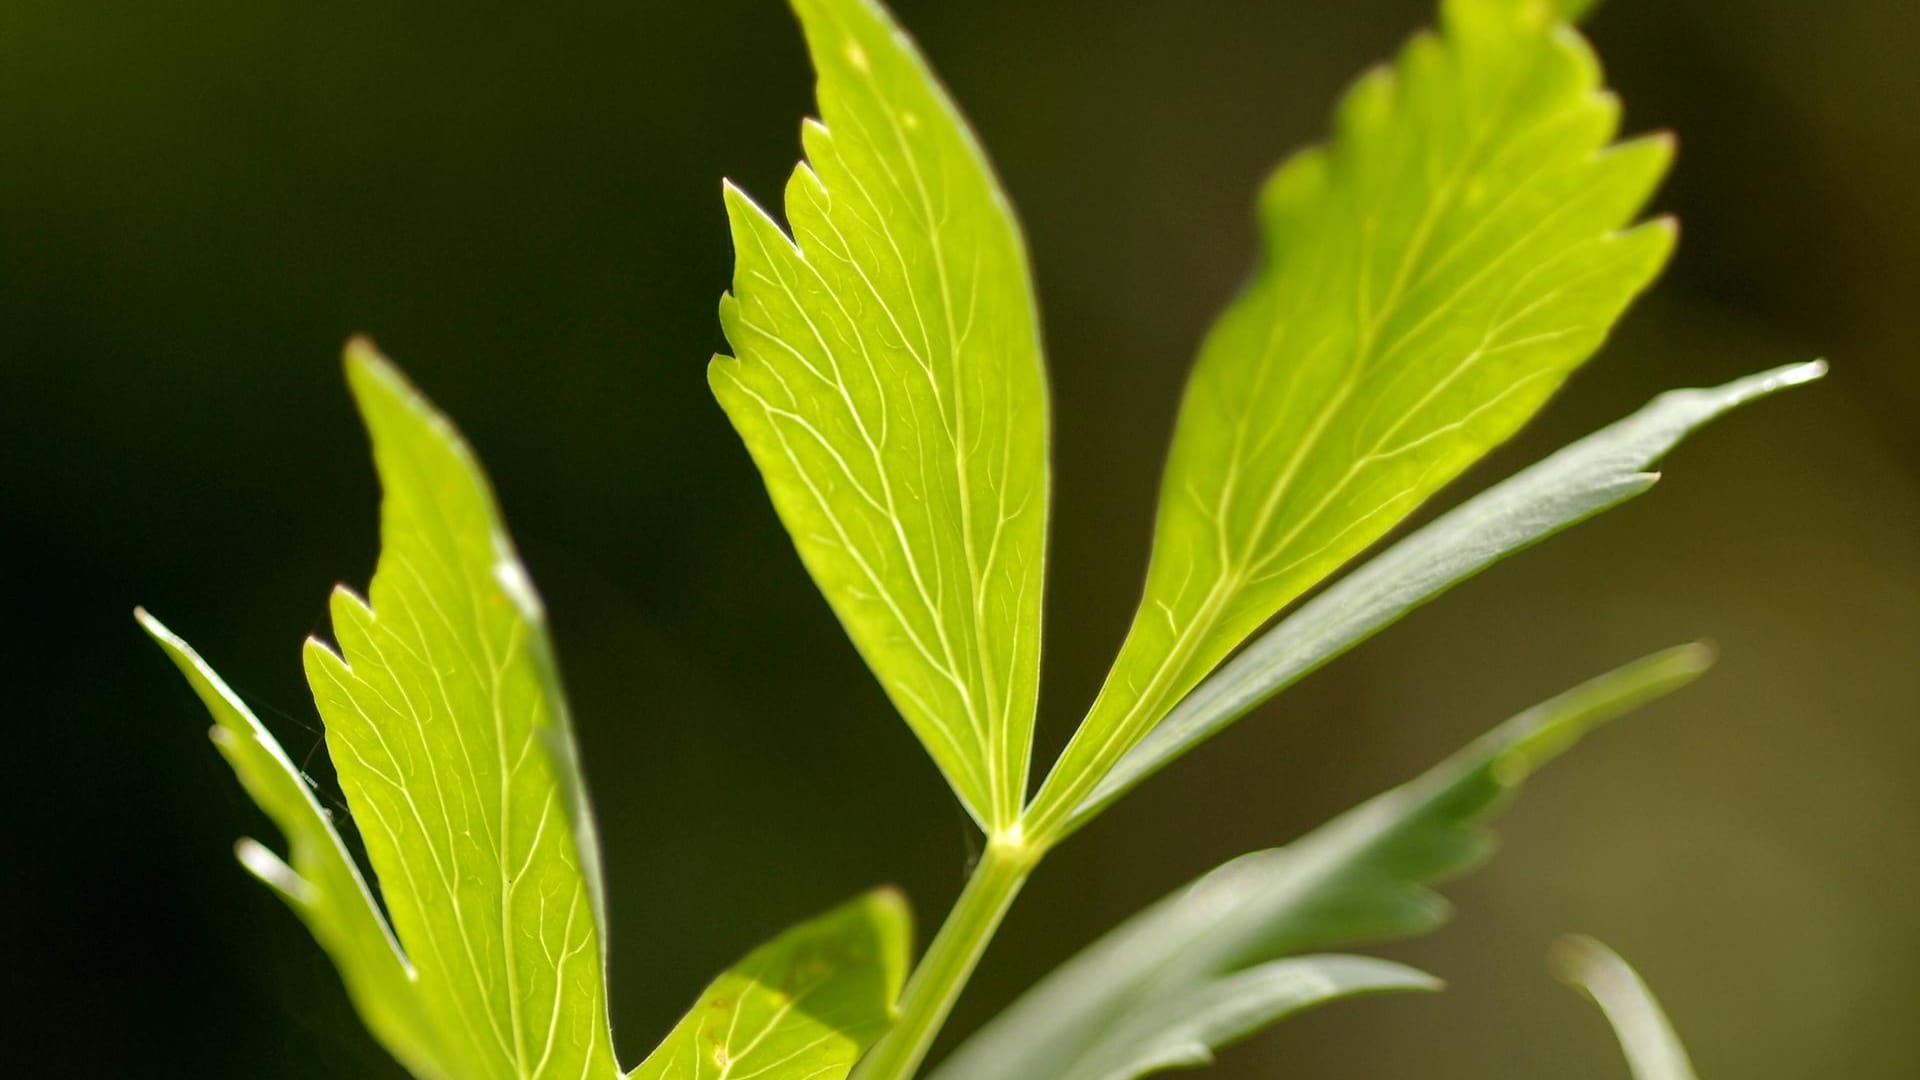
(950, 960)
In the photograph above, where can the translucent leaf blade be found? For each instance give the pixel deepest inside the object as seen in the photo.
(1653, 1048)
(318, 879)
(1364, 876)
(447, 726)
(887, 380)
(801, 1007)
(1429, 278)
(1592, 475)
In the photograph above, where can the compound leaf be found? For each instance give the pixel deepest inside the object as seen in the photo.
(887, 380)
(801, 1007)
(1429, 278)
(318, 879)
(446, 723)
(1597, 473)
(1652, 1046)
(1365, 876)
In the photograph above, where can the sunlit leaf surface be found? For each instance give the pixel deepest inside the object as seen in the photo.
(887, 379)
(1429, 278)
(446, 724)
(450, 735)
(448, 730)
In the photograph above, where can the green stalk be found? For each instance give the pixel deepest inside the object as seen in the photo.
(936, 984)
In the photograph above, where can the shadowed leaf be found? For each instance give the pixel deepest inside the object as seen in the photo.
(801, 1007)
(318, 880)
(1364, 876)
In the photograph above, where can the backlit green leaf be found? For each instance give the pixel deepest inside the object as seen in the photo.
(1653, 1048)
(801, 1007)
(318, 880)
(887, 379)
(1600, 471)
(1364, 876)
(1429, 278)
(446, 723)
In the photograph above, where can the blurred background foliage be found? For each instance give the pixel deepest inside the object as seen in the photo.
(199, 202)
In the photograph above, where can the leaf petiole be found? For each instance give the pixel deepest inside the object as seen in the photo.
(943, 973)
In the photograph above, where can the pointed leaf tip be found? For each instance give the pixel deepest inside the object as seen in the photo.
(1798, 374)
(1550, 728)
(361, 355)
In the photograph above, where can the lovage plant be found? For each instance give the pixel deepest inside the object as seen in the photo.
(1429, 277)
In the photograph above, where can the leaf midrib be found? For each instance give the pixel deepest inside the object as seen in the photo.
(1004, 807)
(983, 695)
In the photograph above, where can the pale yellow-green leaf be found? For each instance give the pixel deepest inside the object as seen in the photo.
(887, 380)
(1429, 278)
(448, 729)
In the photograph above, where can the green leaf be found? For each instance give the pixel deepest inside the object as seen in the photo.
(1597, 473)
(446, 723)
(887, 380)
(1181, 1030)
(801, 1007)
(1653, 1048)
(1429, 278)
(1362, 877)
(322, 885)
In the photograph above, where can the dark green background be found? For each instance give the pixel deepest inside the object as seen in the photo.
(200, 201)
